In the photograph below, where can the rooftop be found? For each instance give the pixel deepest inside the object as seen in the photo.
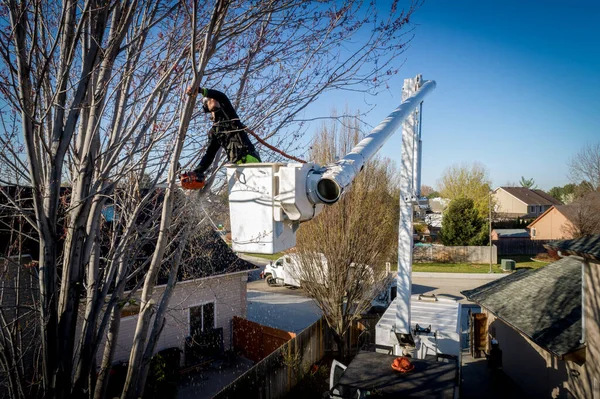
(543, 304)
(512, 233)
(587, 247)
(531, 197)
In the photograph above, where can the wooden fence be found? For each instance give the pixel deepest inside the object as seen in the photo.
(255, 341)
(517, 246)
(276, 375)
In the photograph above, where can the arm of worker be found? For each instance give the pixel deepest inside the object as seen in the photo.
(209, 155)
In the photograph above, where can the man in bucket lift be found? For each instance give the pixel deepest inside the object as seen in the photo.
(227, 131)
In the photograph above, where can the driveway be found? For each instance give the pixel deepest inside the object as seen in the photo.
(289, 309)
(450, 284)
(285, 311)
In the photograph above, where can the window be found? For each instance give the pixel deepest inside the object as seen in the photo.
(532, 209)
(202, 318)
(533, 231)
(541, 209)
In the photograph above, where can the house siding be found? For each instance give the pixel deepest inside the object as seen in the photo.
(550, 226)
(539, 373)
(583, 380)
(507, 203)
(228, 292)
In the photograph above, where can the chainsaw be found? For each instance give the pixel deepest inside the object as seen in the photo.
(192, 181)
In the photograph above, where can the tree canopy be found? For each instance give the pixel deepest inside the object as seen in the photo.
(462, 225)
(356, 236)
(528, 183)
(584, 167)
(93, 97)
(467, 181)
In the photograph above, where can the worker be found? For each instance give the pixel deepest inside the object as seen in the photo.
(227, 132)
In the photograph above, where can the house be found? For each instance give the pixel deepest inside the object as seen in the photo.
(584, 376)
(522, 202)
(19, 291)
(509, 234)
(547, 323)
(535, 316)
(580, 217)
(203, 303)
(552, 224)
(437, 205)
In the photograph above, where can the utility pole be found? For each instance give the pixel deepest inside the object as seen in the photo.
(490, 226)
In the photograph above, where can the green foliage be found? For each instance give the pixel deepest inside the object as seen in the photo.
(467, 181)
(517, 223)
(528, 183)
(462, 225)
(420, 228)
(433, 194)
(522, 262)
(570, 192)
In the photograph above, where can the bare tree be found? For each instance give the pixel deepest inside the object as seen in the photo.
(584, 216)
(92, 102)
(342, 252)
(584, 167)
(426, 190)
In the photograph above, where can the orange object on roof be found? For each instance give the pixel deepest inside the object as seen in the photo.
(402, 364)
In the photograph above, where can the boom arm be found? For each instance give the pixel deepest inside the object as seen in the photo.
(339, 176)
(268, 201)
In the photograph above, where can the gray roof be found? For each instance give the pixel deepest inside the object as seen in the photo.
(513, 233)
(543, 304)
(532, 197)
(587, 247)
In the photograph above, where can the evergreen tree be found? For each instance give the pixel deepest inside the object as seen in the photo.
(462, 225)
(528, 183)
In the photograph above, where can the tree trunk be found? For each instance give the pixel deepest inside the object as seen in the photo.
(159, 320)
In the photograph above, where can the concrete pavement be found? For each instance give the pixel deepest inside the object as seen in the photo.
(286, 312)
(450, 284)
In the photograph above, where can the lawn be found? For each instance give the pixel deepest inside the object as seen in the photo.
(266, 256)
(522, 262)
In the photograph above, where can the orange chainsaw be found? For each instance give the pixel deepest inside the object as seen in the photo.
(192, 181)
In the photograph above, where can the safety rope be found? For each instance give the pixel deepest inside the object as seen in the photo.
(269, 146)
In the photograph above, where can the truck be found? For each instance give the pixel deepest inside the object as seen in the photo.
(269, 201)
(285, 271)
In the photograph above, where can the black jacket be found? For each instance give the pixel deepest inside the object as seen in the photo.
(227, 131)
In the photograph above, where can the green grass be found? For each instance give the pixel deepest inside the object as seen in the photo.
(522, 262)
(266, 256)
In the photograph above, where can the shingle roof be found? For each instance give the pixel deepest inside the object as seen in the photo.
(587, 247)
(531, 197)
(513, 233)
(568, 211)
(543, 304)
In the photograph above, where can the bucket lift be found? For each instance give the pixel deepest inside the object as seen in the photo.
(268, 201)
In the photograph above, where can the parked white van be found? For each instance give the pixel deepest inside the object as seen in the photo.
(285, 271)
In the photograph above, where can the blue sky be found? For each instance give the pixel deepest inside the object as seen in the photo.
(518, 88)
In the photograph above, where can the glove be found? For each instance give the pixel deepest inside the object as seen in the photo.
(192, 180)
(190, 91)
